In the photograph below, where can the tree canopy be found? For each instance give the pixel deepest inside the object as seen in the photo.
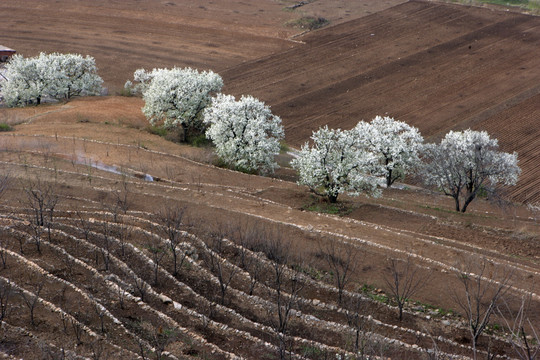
(176, 97)
(55, 76)
(465, 162)
(245, 132)
(336, 164)
(396, 145)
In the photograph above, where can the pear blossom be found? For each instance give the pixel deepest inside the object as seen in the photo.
(466, 162)
(396, 145)
(245, 132)
(176, 97)
(336, 164)
(53, 76)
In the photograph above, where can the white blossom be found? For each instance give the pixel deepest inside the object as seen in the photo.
(57, 76)
(336, 164)
(395, 144)
(246, 133)
(176, 97)
(466, 162)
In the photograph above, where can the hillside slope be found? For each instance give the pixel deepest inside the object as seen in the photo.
(439, 67)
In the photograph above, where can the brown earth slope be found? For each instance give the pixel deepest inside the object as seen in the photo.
(129, 34)
(439, 67)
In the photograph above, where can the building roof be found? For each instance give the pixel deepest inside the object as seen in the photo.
(3, 48)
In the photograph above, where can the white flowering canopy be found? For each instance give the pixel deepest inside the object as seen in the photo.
(57, 76)
(466, 162)
(396, 145)
(336, 164)
(176, 97)
(246, 133)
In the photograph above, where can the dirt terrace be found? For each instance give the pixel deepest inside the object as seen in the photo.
(65, 145)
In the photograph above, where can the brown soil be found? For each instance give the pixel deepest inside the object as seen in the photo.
(64, 144)
(436, 66)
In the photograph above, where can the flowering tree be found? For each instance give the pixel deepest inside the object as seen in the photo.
(245, 132)
(176, 97)
(56, 76)
(395, 144)
(336, 164)
(465, 162)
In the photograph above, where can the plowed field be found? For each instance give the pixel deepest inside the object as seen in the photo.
(436, 66)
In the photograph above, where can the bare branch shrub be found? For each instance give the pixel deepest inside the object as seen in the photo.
(32, 299)
(170, 218)
(483, 287)
(5, 293)
(522, 333)
(342, 260)
(403, 280)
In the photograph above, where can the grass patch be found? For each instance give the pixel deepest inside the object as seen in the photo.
(308, 22)
(283, 147)
(200, 141)
(224, 165)
(156, 130)
(5, 127)
(523, 4)
(126, 92)
(322, 206)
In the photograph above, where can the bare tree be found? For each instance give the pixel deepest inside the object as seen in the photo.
(342, 260)
(42, 200)
(100, 312)
(287, 286)
(522, 334)
(404, 279)
(124, 235)
(160, 338)
(355, 312)
(32, 299)
(5, 293)
(215, 260)
(157, 252)
(170, 218)
(249, 238)
(3, 253)
(480, 293)
(78, 330)
(84, 225)
(141, 286)
(98, 350)
(105, 249)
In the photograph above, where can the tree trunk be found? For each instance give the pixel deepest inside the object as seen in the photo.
(456, 198)
(332, 198)
(467, 202)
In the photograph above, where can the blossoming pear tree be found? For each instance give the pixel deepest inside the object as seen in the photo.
(54, 76)
(396, 145)
(467, 161)
(176, 97)
(245, 132)
(336, 164)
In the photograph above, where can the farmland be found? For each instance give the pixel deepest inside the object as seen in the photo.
(100, 281)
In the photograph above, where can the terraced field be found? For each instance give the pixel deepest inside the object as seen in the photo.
(101, 274)
(116, 243)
